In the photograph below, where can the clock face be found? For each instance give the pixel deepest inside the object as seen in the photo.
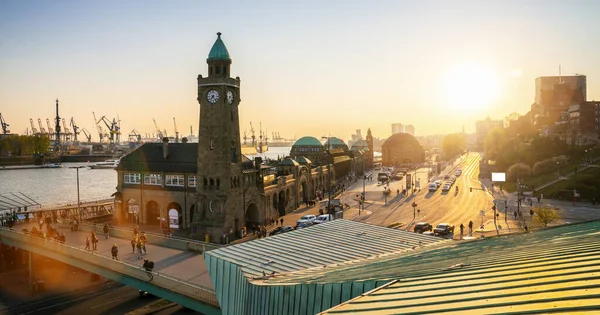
(212, 96)
(229, 97)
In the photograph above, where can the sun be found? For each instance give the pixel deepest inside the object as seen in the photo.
(469, 86)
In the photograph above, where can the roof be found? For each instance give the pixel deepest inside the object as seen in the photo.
(554, 269)
(339, 241)
(341, 158)
(360, 145)
(303, 160)
(401, 139)
(336, 143)
(218, 50)
(288, 162)
(308, 141)
(182, 157)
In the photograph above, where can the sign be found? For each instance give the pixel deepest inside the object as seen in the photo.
(174, 218)
(498, 177)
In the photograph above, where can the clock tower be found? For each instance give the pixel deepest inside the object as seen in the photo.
(220, 207)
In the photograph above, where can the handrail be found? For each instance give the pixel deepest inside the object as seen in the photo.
(198, 292)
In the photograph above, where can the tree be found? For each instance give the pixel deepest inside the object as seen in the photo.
(544, 214)
(453, 145)
(519, 170)
(495, 143)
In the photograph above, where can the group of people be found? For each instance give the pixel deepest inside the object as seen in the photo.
(138, 242)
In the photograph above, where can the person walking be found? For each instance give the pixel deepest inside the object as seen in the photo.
(106, 229)
(94, 241)
(133, 241)
(115, 252)
(148, 266)
(281, 221)
(470, 228)
(62, 238)
(135, 231)
(143, 239)
(87, 243)
(138, 245)
(462, 229)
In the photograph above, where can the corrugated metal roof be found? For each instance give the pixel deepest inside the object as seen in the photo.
(321, 245)
(555, 270)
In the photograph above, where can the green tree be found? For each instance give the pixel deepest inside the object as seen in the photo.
(453, 145)
(544, 215)
(495, 144)
(518, 170)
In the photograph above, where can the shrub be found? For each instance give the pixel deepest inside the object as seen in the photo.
(520, 169)
(544, 215)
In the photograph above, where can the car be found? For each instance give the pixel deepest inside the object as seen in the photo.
(323, 218)
(433, 187)
(452, 180)
(458, 173)
(446, 187)
(443, 229)
(306, 218)
(446, 177)
(304, 225)
(428, 233)
(438, 183)
(398, 176)
(422, 227)
(281, 230)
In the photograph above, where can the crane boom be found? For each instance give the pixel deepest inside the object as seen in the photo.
(76, 130)
(33, 129)
(50, 129)
(87, 135)
(159, 133)
(98, 127)
(252, 134)
(175, 129)
(42, 129)
(4, 125)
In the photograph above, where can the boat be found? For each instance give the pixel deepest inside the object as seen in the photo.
(108, 164)
(53, 165)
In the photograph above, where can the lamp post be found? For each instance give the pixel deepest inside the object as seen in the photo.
(77, 169)
(362, 198)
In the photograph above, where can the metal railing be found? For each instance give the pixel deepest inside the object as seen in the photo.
(197, 292)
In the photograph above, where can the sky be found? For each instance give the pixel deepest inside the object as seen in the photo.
(319, 68)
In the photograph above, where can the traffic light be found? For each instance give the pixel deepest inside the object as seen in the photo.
(470, 189)
(494, 208)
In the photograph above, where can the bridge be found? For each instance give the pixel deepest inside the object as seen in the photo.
(180, 274)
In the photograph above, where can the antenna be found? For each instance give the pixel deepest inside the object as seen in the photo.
(559, 75)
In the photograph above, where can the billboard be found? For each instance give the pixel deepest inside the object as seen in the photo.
(498, 177)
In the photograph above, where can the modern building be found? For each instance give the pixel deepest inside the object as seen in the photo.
(554, 95)
(484, 127)
(410, 129)
(581, 123)
(397, 128)
(401, 149)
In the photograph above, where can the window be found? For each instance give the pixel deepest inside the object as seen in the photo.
(131, 178)
(192, 180)
(153, 179)
(175, 180)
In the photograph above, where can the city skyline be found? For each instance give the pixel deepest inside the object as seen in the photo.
(342, 65)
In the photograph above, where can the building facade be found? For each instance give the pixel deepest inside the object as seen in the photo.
(397, 128)
(554, 95)
(402, 149)
(484, 127)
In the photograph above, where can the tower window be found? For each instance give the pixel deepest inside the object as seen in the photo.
(210, 70)
(233, 155)
(212, 182)
(205, 182)
(218, 70)
(218, 183)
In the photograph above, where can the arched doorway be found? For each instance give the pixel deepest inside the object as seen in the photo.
(274, 202)
(175, 215)
(252, 217)
(303, 192)
(192, 213)
(132, 211)
(281, 203)
(152, 213)
(288, 193)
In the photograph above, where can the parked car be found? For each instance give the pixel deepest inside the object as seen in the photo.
(458, 173)
(428, 233)
(306, 218)
(443, 229)
(304, 225)
(438, 183)
(323, 218)
(433, 187)
(422, 227)
(446, 177)
(398, 176)
(281, 230)
(446, 187)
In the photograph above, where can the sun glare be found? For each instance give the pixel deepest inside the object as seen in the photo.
(469, 86)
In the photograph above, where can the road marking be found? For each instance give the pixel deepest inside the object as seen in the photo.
(106, 303)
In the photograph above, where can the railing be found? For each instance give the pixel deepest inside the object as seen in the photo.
(198, 292)
(155, 238)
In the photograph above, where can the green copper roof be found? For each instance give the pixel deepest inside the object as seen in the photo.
(308, 141)
(336, 143)
(218, 50)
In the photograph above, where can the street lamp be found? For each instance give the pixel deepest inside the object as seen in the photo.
(414, 205)
(78, 202)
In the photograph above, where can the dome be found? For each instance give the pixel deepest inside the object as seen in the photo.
(218, 50)
(302, 160)
(400, 139)
(288, 162)
(336, 143)
(360, 145)
(307, 141)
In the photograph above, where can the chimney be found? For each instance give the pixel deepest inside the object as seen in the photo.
(184, 140)
(165, 147)
(257, 162)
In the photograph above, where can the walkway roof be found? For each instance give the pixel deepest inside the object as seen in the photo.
(555, 270)
(323, 246)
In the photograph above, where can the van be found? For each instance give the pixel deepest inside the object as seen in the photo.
(433, 187)
(323, 218)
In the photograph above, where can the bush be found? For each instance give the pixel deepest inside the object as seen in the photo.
(543, 167)
(543, 215)
(520, 169)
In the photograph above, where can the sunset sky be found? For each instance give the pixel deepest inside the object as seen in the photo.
(307, 67)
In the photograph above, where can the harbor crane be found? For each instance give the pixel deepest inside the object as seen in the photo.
(113, 129)
(4, 125)
(33, 129)
(50, 129)
(76, 130)
(135, 136)
(67, 134)
(252, 135)
(42, 129)
(176, 132)
(101, 132)
(159, 133)
(87, 134)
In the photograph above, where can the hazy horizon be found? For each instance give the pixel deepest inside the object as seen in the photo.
(312, 68)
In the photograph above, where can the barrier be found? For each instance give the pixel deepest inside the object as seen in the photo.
(197, 292)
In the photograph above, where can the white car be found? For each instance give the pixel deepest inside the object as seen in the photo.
(458, 173)
(323, 218)
(433, 187)
(446, 187)
(307, 218)
(438, 183)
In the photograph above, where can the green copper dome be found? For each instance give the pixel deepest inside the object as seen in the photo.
(218, 50)
(307, 141)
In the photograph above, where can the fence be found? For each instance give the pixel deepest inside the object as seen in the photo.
(200, 293)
